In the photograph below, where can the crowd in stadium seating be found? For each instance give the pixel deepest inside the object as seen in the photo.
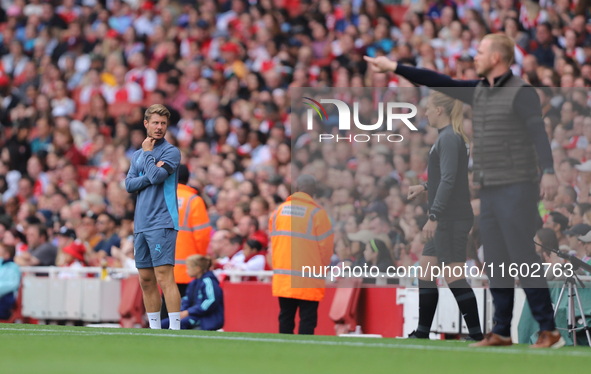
(77, 75)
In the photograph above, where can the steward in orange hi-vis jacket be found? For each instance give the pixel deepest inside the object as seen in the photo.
(301, 236)
(194, 230)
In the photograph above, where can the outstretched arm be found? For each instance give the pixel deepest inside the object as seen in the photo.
(460, 89)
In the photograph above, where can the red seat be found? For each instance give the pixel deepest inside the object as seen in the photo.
(343, 311)
(131, 308)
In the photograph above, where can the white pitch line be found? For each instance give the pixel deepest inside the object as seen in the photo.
(540, 352)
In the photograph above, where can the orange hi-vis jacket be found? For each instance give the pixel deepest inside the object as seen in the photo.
(301, 235)
(194, 231)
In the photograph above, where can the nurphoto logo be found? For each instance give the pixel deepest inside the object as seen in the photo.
(392, 113)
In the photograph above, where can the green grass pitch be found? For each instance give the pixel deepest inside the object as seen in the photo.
(57, 349)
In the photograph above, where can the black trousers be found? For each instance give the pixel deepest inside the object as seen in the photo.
(163, 309)
(308, 315)
(507, 226)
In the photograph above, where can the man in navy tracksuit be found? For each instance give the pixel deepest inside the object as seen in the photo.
(153, 175)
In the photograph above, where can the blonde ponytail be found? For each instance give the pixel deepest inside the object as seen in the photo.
(203, 262)
(457, 119)
(453, 108)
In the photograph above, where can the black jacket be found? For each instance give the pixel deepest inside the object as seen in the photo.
(449, 195)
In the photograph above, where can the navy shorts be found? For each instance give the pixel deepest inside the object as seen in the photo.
(154, 248)
(450, 241)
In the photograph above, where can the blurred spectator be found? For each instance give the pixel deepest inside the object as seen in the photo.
(376, 253)
(218, 242)
(576, 246)
(10, 280)
(558, 223)
(586, 256)
(73, 258)
(125, 254)
(578, 213)
(88, 232)
(40, 251)
(547, 238)
(107, 227)
(65, 237)
(544, 39)
(254, 257)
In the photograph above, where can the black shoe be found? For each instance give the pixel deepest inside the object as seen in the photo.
(414, 335)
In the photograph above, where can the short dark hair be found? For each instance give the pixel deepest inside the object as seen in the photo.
(109, 216)
(40, 229)
(548, 238)
(173, 80)
(183, 174)
(570, 208)
(547, 25)
(254, 244)
(560, 219)
(28, 178)
(584, 207)
(32, 220)
(254, 222)
(383, 220)
(421, 221)
(61, 193)
(571, 161)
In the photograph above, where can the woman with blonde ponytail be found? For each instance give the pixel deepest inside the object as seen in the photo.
(450, 215)
(203, 306)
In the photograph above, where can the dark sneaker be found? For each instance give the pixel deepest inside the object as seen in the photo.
(413, 335)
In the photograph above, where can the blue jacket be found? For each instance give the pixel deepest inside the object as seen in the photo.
(205, 302)
(10, 280)
(157, 206)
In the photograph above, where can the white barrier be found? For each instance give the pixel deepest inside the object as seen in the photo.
(236, 275)
(87, 299)
(52, 271)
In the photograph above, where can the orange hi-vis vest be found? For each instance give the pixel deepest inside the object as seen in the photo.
(301, 236)
(194, 231)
